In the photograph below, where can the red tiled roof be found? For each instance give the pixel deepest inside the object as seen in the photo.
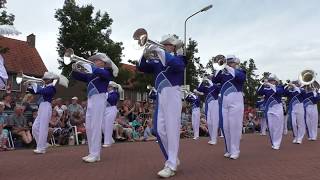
(129, 67)
(22, 57)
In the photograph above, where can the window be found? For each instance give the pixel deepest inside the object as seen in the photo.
(122, 95)
(13, 83)
(138, 96)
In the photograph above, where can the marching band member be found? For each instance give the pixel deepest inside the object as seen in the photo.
(231, 104)
(194, 100)
(296, 110)
(41, 123)
(263, 122)
(273, 109)
(168, 69)
(99, 75)
(211, 92)
(311, 98)
(111, 112)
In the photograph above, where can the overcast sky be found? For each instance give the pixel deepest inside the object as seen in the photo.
(282, 36)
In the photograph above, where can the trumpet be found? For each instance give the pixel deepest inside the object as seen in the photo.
(141, 35)
(28, 79)
(80, 62)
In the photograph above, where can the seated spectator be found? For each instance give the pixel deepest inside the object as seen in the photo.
(26, 102)
(75, 107)
(203, 131)
(148, 136)
(19, 124)
(127, 110)
(77, 119)
(3, 132)
(54, 125)
(66, 129)
(59, 107)
(8, 102)
(32, 118)
(122, 125)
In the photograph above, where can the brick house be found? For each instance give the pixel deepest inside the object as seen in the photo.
(129, 92)
(21, 56)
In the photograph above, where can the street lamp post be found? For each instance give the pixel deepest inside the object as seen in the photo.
(185, 36)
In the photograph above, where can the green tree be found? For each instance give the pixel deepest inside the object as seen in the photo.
(195, 70)
(141, 80)
(5, 18)
(252, 82)
(85, 32)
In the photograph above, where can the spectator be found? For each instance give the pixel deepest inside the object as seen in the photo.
(127, 110)
(32, 118)
(84, 106)
(77, 119)
(123, 125)
(3, 132)
(203, 131)
(54, 125)
(74, 106)
(19, 124)
(59, 107)
(26, 102)
(8, 102)
(148, 132)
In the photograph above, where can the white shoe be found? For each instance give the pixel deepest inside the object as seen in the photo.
(195, 138)
(294, 141)
(36, 151)
(221, 135)
(227, 155)
(263, 134)
(106, 145)
(85, 157)
(212, 142)
(234, 156)
(166, 172)
(275, 147)
(299, 141)
(91, 159)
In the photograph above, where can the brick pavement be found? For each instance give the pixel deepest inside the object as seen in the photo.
(141, 161)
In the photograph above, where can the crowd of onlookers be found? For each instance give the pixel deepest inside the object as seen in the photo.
(133, 122)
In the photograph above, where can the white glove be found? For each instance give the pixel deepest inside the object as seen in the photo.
(180, 52)
(230, 70)
(208, 81)
(273, 87)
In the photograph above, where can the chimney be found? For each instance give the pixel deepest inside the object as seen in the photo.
(31, 40)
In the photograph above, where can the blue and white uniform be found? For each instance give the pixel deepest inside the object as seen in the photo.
(211, 93)
(195, 103)
(97, 102)
(296, 112)
(41, 123)
(273, 112)
(263, 121)
(168, 73)
(110, 115)
(311, 114)
(231, 108)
